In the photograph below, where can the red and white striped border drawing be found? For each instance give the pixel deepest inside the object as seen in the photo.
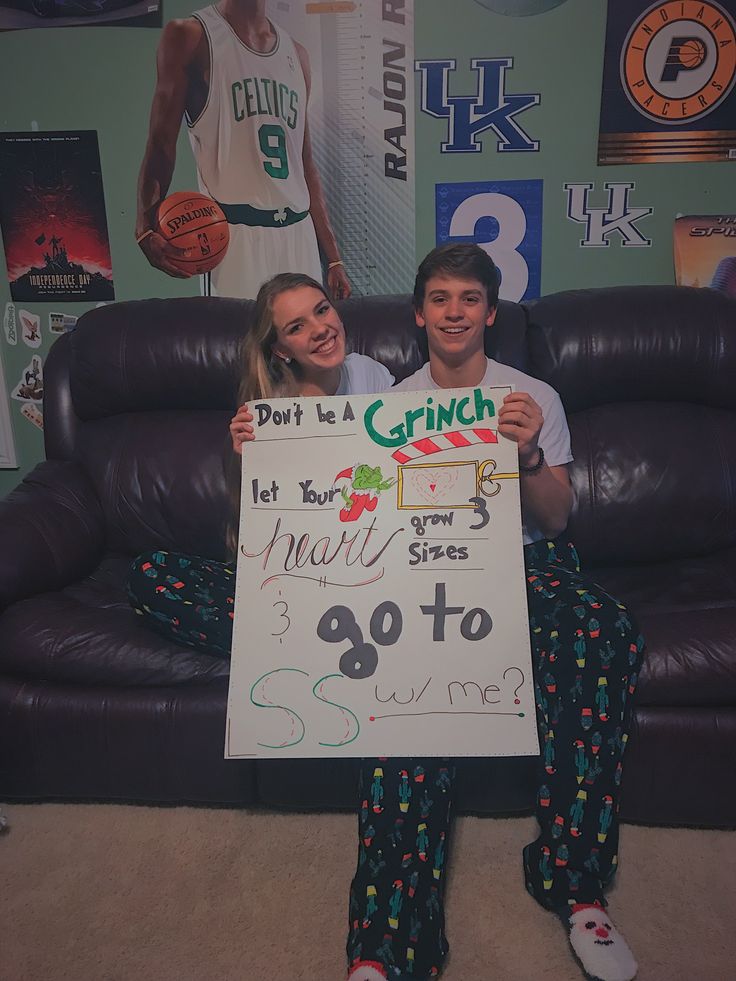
(443, 441)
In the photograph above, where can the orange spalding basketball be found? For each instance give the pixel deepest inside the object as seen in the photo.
(196, 224)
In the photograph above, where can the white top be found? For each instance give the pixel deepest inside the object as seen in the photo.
(555, 435)
(248, 139)
(361, 375)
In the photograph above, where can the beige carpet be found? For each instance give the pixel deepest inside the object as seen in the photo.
(111, 893)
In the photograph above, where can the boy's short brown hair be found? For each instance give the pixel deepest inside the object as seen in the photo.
(463, 260)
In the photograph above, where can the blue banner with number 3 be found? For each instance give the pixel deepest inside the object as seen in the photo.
(505, 219)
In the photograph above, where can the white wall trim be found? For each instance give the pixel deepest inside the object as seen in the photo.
(8, 459)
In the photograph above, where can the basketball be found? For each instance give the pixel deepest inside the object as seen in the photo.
(196, 224)
(692, 53)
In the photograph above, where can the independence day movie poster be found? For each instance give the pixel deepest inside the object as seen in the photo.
(668, 82)
(52, 215)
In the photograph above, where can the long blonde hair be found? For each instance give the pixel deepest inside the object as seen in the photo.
(264, 375)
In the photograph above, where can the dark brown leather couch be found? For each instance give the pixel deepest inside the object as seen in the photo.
(138, 398)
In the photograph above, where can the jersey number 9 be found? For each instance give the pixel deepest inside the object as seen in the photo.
(272, 141)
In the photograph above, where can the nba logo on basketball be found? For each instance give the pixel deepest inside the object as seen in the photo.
(678, 62)
(197, 226)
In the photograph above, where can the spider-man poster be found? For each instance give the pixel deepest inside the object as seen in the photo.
(52, 214)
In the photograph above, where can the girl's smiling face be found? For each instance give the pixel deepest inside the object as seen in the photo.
(308, 330)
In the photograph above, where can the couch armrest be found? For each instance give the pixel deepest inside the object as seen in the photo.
(52, 531)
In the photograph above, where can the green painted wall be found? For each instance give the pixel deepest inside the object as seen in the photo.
(88, 78)
(102, 78)
(560, 55)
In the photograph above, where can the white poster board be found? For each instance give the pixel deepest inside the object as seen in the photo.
(380, 605)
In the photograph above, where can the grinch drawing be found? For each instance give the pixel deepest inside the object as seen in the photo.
(361, 490)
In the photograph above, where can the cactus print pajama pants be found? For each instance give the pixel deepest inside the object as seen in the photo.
(186, 598)
(586, 656)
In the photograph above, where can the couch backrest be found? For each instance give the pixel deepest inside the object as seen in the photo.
(648, 378)
(141, 393)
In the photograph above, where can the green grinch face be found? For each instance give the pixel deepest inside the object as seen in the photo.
(367, 478)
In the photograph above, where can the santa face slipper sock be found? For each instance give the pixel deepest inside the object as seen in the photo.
(600, 948)
(367, 971)
(373, 971)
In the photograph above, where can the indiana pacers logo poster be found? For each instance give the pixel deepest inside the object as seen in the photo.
(668, 82)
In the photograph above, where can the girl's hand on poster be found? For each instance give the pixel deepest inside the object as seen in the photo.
(241, 428)
(520, 419)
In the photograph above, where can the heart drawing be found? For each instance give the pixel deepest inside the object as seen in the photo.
(434, 485)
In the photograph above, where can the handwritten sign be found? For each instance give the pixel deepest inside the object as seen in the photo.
(380, 607)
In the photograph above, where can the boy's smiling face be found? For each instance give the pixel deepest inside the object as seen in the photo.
(455, 314)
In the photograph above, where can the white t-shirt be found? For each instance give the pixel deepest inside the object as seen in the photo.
(555, 435)
(361, 375)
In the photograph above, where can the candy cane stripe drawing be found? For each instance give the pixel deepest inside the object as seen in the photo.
(444, 441)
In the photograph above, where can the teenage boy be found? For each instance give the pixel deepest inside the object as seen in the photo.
(455, 306)
(586, 653)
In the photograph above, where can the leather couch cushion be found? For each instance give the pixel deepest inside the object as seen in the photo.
(687, 613)
(157, 354)
(635, 343)
(88, 634)
(160, 478)
(654, 481)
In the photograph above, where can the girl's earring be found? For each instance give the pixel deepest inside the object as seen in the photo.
(287, 360)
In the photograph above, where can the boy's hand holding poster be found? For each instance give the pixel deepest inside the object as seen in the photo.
(380, 601)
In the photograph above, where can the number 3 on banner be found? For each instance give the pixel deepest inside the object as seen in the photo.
(503, 249)
(272, 141)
